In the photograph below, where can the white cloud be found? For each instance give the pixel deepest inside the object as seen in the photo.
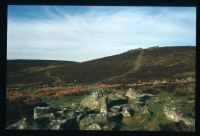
(96, 34)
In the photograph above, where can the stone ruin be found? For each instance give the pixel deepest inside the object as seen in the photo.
(40, 112)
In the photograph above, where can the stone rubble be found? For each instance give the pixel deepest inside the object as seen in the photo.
(98, 111)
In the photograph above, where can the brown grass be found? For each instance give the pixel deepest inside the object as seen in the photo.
(60, 92)
(27, 96)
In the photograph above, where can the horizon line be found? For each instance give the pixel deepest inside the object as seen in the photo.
(97, 58)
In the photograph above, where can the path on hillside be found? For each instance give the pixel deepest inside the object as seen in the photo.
(137, 63)
(136, 66)
(57, 79)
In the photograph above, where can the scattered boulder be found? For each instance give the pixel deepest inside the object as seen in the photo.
(94, 126)
(40, 112)
(126, 112)
(21, 124)
(109, 111)
(174, 126)
(80, 117)
(42, 122)
(142, 117)
(69, 124)
(87, 111)
(132, 94)
(91, 119)
(116, 109)
(92, 101)
(103, 105)
(143, 98)
(127, 120)
(116, 99)
(115, 117)
(145, 111)
(112, 126)
(171, 114)
(55, 127)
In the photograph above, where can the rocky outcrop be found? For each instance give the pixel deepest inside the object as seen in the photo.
(173, 116)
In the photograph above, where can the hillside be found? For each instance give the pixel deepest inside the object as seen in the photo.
(20, 68)
(138, 65)
(15, 66)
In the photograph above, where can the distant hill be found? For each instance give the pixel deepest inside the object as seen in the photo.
(14, 66)
(132, 66)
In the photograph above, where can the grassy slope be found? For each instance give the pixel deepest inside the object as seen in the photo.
(163, 63)
(146, 64)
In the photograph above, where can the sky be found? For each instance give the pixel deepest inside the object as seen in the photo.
(82, 33)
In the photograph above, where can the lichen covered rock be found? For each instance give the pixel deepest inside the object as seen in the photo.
(94, 126)
(132, 94)
(92, 101)
(172, 115)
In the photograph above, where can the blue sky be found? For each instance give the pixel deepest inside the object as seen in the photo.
(81, 33)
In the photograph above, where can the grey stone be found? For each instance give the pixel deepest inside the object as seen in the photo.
(96, 101)
(143, 98)
(116, 109)
(126, 112)
(93, 118)
(132, 94)
(103, 105)
(94, 126)
(40, 112)
(79, 117)
(115, 117)
(55, 127)
(111, 126)
(21, 124)
(87, 111)
(92, 101)
(42, 122)
(172, 115)
(69, 124)
(116, 99)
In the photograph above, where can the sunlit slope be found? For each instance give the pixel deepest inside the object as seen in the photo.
(160, 64)
(136, 65)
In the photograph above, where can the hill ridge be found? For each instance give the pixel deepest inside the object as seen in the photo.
(128, 67)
